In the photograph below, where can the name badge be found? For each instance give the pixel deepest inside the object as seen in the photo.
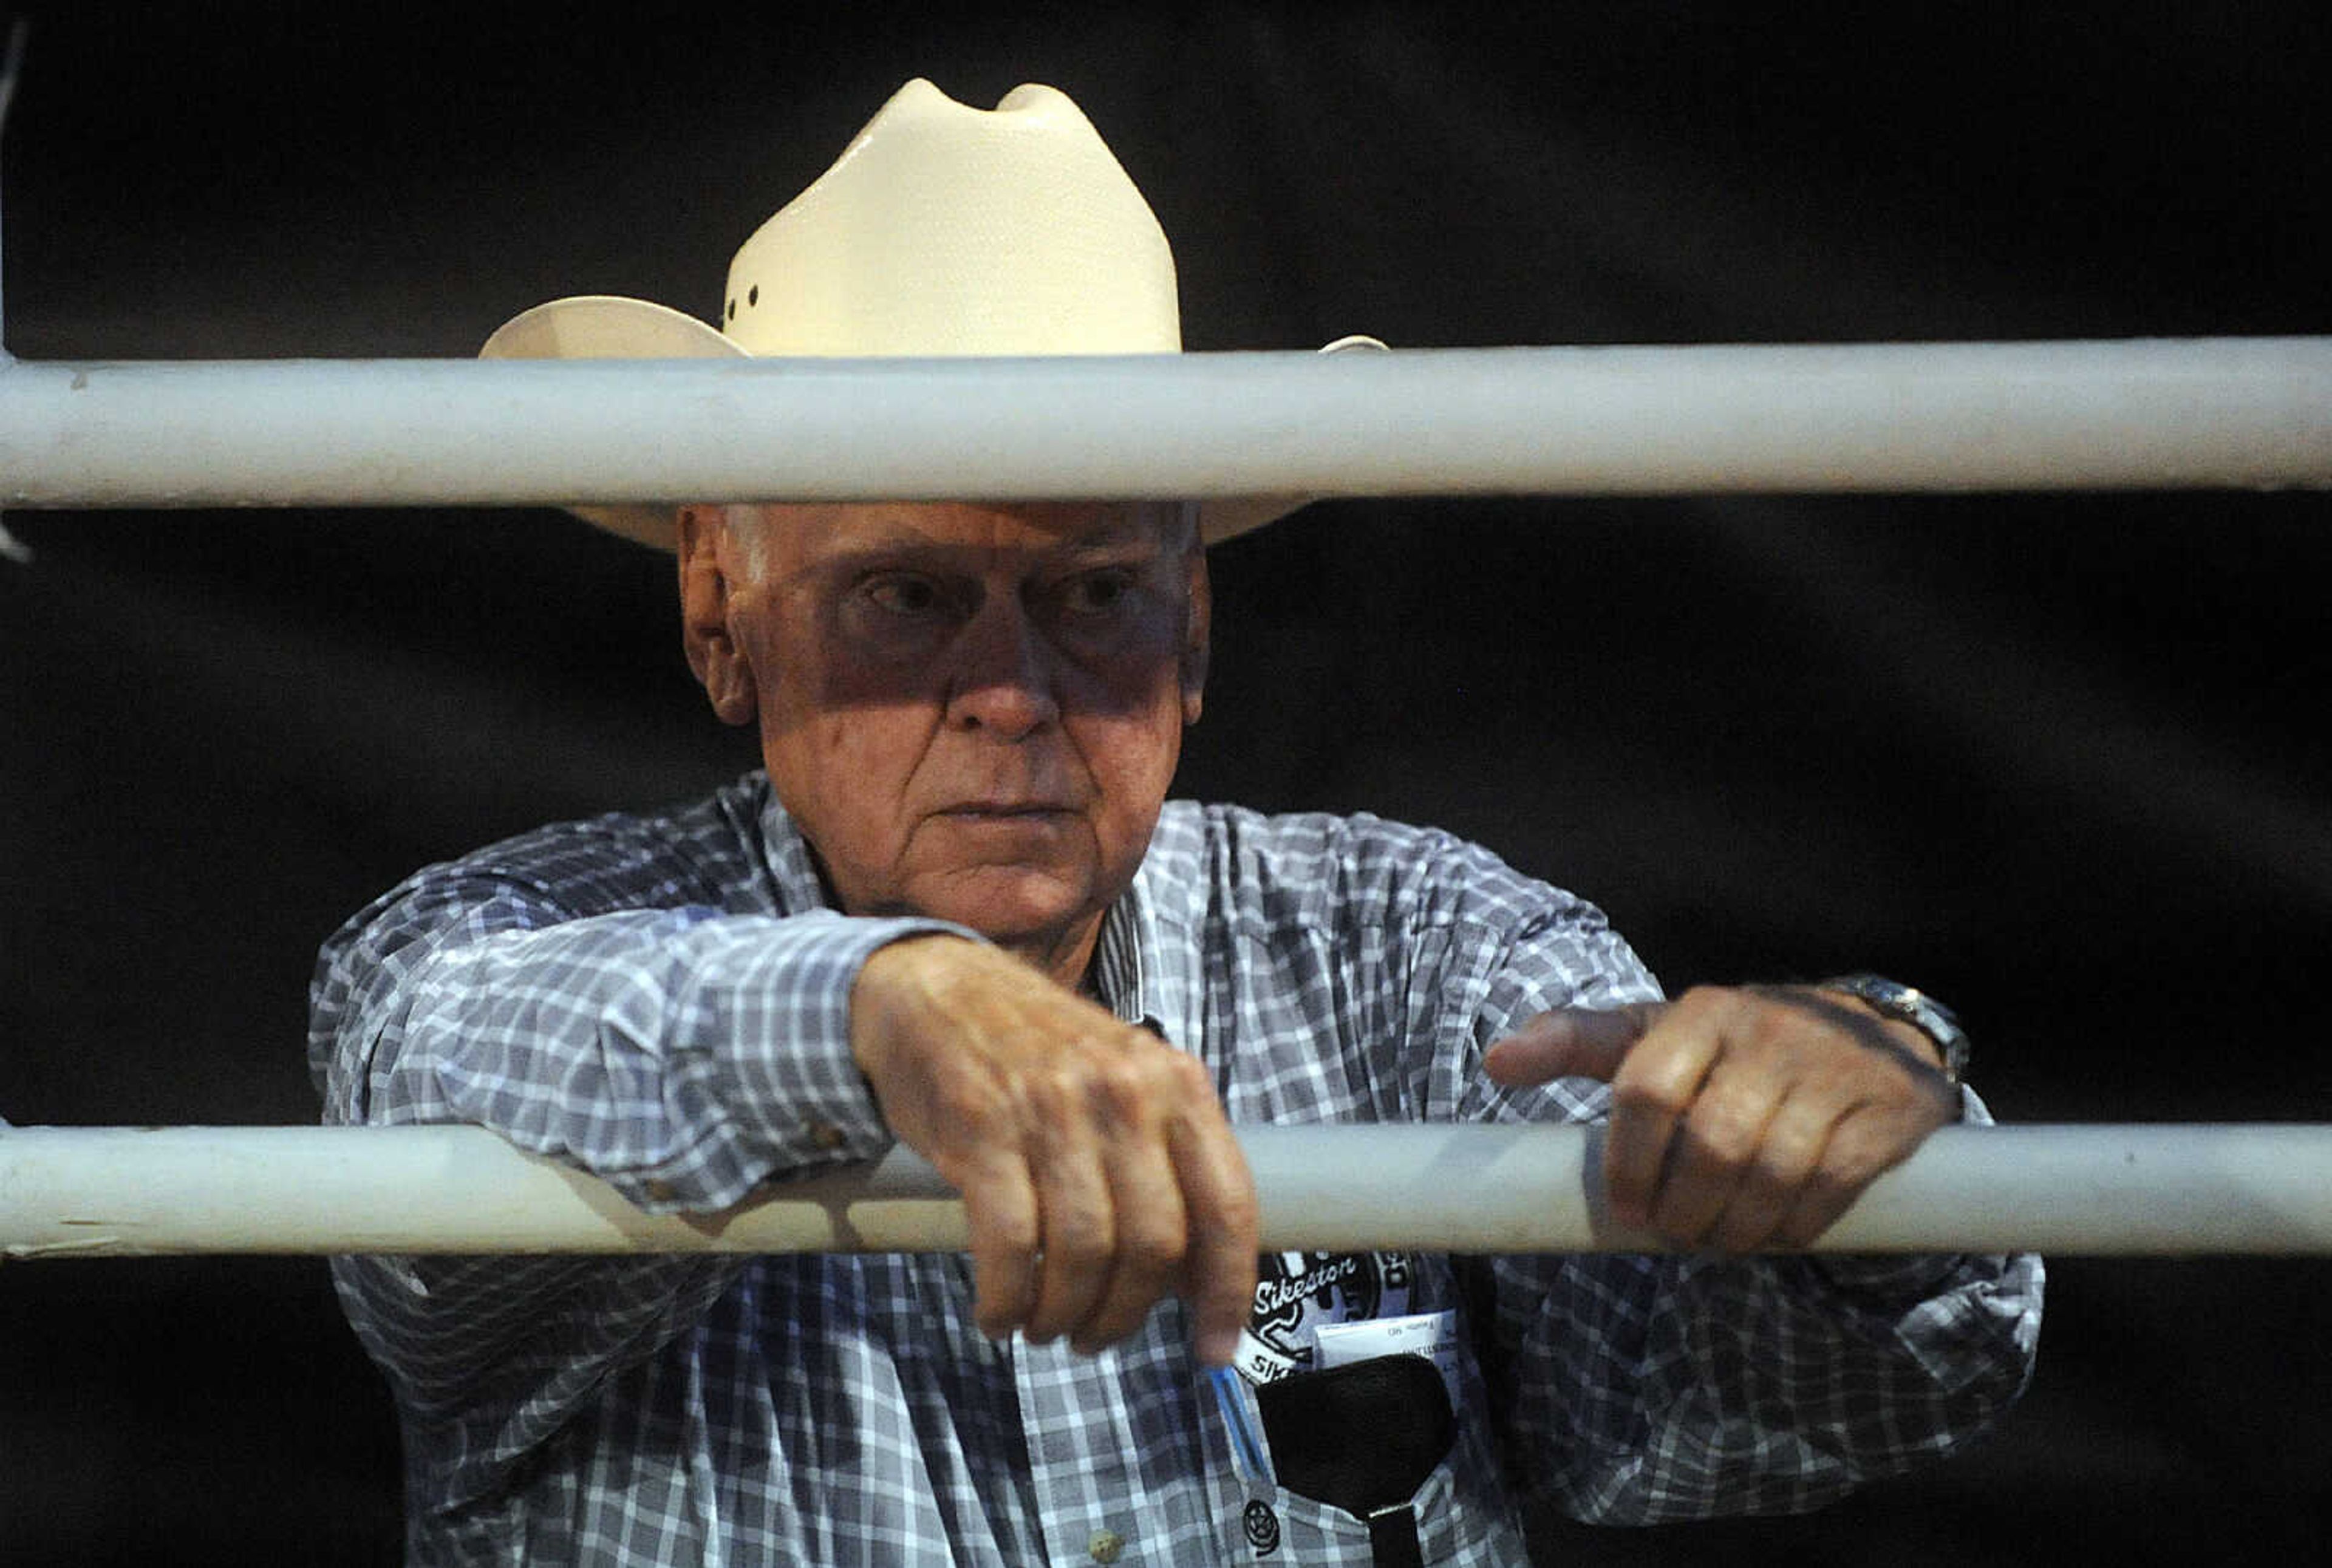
(1431, 1334)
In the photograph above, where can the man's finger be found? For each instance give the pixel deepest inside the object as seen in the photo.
(1788, 1156)
(1000, 1213)
(1078, 1221)
(1153, 1232)
(1570, 1042)
(1225, 1220)
(1861, 1148)
(1712, 1161)
(1653, 1085)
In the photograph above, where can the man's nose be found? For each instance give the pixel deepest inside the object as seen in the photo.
(1005, 679)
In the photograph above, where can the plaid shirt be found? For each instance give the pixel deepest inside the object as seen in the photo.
(665, 1001)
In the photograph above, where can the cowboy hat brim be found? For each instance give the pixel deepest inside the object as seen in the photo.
(613, 327)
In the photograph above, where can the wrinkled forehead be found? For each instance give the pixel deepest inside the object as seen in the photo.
(801, 535)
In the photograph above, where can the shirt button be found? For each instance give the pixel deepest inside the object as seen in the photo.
(1104, 1546)
(826, 1135)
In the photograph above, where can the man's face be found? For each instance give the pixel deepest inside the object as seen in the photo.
(972, 711)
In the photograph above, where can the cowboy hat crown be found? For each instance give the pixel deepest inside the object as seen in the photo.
(945, 229)
(941, 230)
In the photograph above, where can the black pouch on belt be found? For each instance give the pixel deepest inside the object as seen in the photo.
(1363, 1437)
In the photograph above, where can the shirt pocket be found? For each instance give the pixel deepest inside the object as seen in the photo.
(1457, 1511)
(1358, 1438)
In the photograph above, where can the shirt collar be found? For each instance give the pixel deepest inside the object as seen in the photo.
(1121, 967)
(792, 865)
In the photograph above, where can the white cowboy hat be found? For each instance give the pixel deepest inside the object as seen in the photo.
(941, 230)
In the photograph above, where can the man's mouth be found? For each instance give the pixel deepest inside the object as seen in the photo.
(1006, 810)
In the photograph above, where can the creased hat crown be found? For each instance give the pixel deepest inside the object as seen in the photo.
(945, 229)
(941, 230)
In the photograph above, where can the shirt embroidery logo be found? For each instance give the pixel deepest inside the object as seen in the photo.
(1262, 1527)
(1297, 1293)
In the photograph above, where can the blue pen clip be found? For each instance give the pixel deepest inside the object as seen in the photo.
(1247, 1449)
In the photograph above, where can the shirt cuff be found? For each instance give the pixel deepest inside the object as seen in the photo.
(782, 1090)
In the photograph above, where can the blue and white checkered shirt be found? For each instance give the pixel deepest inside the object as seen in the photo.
(663, 1001)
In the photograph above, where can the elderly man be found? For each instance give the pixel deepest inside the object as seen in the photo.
(956, 910)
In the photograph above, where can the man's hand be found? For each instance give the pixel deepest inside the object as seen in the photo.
(1098, 1172)
(1746, 1118)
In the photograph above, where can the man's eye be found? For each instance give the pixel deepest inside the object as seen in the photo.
(1096, 593)
(903, 596)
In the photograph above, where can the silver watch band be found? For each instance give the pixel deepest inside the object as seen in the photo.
(1910, 1005)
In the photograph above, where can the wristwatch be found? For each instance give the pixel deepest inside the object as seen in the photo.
(1910, 1005)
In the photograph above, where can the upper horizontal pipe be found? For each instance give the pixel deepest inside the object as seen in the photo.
(1865, 417)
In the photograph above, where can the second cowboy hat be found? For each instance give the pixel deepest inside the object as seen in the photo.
(941, 230)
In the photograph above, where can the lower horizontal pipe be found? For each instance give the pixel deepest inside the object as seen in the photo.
(2136, 1191)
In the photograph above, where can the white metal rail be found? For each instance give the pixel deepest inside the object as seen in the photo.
(2130, 1189)
(1870, 418)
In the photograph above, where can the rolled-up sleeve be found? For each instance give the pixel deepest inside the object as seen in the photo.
(1638, 1389)
(683, 1055)
(684, 1051)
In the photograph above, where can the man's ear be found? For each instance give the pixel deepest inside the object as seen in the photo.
(1196, 634)
(711, 559)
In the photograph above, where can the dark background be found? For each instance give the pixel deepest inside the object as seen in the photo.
(2059, 758)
